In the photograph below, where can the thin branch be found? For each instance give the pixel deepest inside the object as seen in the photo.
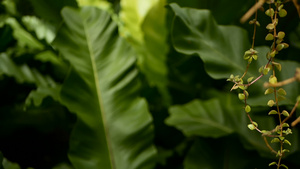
(279, 84)
(252, 10)
(268, 145)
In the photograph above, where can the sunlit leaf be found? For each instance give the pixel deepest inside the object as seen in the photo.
(144, 28)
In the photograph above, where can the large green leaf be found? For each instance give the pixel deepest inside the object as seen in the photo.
(114, 127)
(220, 47)
(195, 32)
(144, 28)
(222, 153)
(219, 117)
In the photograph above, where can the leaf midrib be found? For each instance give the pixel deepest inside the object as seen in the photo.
(98, 91)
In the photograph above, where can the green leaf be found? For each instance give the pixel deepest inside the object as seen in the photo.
(144, 28)
(204, 154)
(270, 103)
(216, 118)
(282, 165)
(287, 142)
(282, 13)
(102, 4)
(241, 96)
(194, 32)
(10, 165)
(269, 91)
(285, 113)
(247, 109)
(50, 10)
(272, 112)
(46, 86)
(200, 118)
(42, 29)
(281, 91)
(251, 126)
(273, 163)
(24, 38)
(105, 96)
(1, 160)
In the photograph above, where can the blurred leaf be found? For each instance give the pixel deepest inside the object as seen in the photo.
(221, 48)
(10, 7)
(24, 38)
(24, 74)
(114, 127)
(62, 166)
(49, 56)
(205, 119)
(196, 32)
(102, 4)
(6, 36)
(1, 160)
(144, 28)
(231, 14)
(10, 165)
(42, 29)
(217, 118)
(221, 154)
(50, 10)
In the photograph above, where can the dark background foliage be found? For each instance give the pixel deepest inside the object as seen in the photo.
(39, 137)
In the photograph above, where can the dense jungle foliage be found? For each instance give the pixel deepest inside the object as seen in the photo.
(136, 84)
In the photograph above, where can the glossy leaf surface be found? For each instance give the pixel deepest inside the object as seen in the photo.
(105, 95)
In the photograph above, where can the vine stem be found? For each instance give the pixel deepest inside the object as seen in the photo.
(268, 145)
(282, 83)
